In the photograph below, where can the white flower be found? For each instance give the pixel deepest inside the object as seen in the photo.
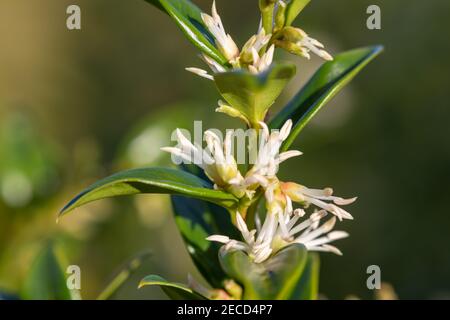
(232, 112)
(261, 64)
(217, 160)
(317, 197)
(252, 50)
(223, 158)
(258, 41)
(200, 72)
(257, 250)
(313, 236)
(268, 156)
(308, 44)
(253, 55)
(282, 230)
(213, 65)
(224, 41)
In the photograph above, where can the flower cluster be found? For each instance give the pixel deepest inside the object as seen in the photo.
(282, 225)
(257, 53)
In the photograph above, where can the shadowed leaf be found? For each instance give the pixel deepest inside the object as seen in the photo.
(196, 220)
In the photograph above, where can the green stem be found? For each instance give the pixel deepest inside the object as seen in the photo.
(267, 7)
(120, 279)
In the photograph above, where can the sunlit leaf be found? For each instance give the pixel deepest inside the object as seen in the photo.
(188, 18)
(293, 9)
(151, 180)
(175, 291)
(251, 94)
(277, 278)
(308, 286)
(322, 87)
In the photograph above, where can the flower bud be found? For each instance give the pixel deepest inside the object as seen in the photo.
(232, 112)
(246, 56)
(280, 17)
(233, 289)
(265, 4)
(291, 47)
(293, 191)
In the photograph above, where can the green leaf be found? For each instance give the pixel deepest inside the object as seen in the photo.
(252, 95)
(46, 279)
(119, 280)
(274, 279)
(331, 77)
(188, 18)
(175, 291)
(308, 286)
(150, 180)
(293, 9)
(196, 220)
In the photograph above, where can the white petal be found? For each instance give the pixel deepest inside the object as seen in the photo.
(200, 72)
(213, 64)
(285, 130)
(325, 228)
(288, 154)
(263, 255)
(219, 238)
(242, 226)
(344, 202)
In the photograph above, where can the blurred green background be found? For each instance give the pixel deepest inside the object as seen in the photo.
(78, 105)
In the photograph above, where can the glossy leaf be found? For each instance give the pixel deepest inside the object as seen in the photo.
(308, 286)
(119, 280)
(188, 18)
(250, 94)
(331, 77)
(46, 279)
(175, 291)
(293, 9)
(150, 180)
(277, 278)
(196, 220)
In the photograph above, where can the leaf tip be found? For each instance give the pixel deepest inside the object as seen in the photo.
(378, 48)
(141, 284)
(66, 209)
